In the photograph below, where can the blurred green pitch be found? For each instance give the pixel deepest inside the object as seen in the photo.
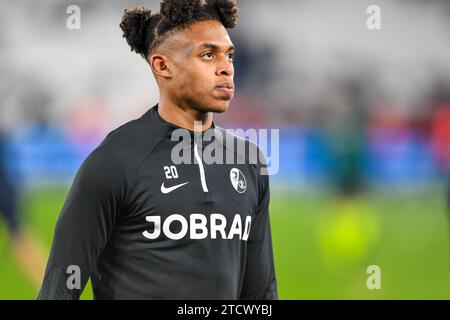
(322, 245)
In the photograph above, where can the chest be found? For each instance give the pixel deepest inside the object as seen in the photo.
(193, 199)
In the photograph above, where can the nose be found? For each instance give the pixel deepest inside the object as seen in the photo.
(225, 68)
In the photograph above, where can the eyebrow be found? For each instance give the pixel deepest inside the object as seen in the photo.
(214, 47)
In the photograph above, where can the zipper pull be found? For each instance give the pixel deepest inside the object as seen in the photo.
(201, 168)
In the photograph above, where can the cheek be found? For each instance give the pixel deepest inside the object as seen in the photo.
(200, 81)
(196, 81)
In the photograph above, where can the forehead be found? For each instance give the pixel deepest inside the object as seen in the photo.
(209, 31)
(199, 33)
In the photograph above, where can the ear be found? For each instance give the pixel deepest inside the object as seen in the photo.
(159, 65)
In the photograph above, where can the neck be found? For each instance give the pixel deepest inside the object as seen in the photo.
(183, 116)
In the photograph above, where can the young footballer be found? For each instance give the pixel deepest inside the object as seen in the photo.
(144, 225)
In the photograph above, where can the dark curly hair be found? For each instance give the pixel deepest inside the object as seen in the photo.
(144, 31)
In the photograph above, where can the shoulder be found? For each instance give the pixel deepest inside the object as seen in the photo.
(136, 136)
(244, 149)
(248, 153)
(124, 148)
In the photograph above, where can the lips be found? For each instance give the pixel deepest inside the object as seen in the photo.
(226, 87)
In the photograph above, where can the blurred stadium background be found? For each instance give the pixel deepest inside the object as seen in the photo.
(364, 119)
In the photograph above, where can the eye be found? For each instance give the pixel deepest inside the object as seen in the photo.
(208, 55)
(231, 57)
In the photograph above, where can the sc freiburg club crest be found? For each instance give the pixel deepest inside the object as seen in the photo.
(238, 180)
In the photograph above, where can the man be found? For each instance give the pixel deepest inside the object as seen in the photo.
(24, 246)
(141, 224)
(8, 202)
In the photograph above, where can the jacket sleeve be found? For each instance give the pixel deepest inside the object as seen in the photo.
(259, 280)
(83, 227)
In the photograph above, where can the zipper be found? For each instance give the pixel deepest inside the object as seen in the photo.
(201, 169)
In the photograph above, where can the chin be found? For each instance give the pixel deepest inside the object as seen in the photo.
(220, 108)
(216, 106)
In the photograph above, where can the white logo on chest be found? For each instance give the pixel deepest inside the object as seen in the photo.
(199, 226)
(238, 180)
(166, 190)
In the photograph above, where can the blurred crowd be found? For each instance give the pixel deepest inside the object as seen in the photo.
(352, 104)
